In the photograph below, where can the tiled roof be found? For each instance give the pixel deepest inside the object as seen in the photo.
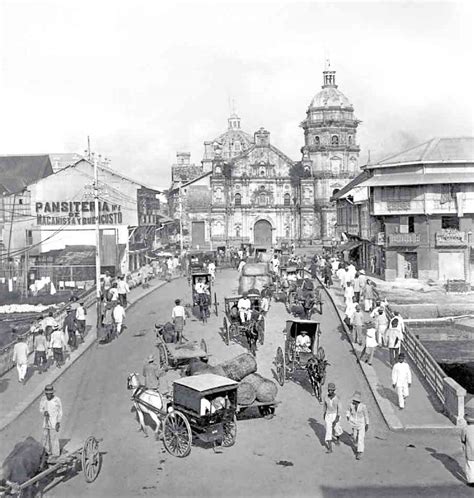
(16, 172)
(449, 149)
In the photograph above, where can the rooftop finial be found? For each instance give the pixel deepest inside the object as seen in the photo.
(329, 75)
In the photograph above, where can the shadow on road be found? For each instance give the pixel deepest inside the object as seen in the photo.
(450, 464)
(388, 394)
(4, 385)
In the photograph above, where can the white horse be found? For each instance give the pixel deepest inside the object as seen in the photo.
(146, 401)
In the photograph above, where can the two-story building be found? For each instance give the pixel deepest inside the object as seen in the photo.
(423, 200)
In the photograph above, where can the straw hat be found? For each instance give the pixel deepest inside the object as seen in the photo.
(49, 389)
(151, 358)
(357, 396)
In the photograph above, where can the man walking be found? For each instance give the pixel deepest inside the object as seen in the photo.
(52, 411)
(178, 315)
(394, 340)
(118, 315)
(81, 320)
(358, 418)
(57, 345)
(401, 379)
(357, 322)
(331, 417)
(69, 327)
(123, 289)
(40, 345)
(152, 373)
(20, 357)
(370, 343)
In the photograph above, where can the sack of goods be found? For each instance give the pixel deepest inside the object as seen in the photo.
(254, 269)
(245, 394)
(265, 389)
(238, 368)
(258, 282)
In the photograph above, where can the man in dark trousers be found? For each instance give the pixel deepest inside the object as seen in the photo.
(69, 327)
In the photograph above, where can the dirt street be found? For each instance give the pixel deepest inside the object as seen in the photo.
(279, 457)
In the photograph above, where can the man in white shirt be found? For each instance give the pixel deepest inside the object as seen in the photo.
(303, 343)
(81, 319)
(123, 289)
(52, 411)
(244, 304)
(118, 315)
(275, 263)
(48, 321)
(58, 344)
(401, 379)
(211, 268)
(241, 265)
(20, 357)
(113, 295)
(178, 315)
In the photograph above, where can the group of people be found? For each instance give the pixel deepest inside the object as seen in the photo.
(50, 339)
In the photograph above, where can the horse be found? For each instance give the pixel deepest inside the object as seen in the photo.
(316, 368)
(146, 401)
(203, 301)
(251, 334)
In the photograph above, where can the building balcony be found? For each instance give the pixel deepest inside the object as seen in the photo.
(450, 238)
(403, 239)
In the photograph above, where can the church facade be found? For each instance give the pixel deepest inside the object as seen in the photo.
(256, 194)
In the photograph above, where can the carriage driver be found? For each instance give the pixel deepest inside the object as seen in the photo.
(303, 342)
(244, 308)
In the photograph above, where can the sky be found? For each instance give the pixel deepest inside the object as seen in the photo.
(146, 79)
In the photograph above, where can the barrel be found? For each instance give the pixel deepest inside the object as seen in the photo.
(265, 389)
(239, 367)
(254, 269)
(245, 394)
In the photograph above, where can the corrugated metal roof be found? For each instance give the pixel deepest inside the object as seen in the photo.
(436, 150)
(205, 382)
(416, 179)
(16, 172)
(356, 182)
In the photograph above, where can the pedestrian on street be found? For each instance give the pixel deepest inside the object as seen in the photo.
(241, 265)
(381, 326)
(113, 294)
(358, 418)
(20, 357)
(118, 314)
(342, 276)
(331, 418)
(401, 379)
(58, 344)
(48, 321)
(106, 285)
(467, 440)
(178, 316)
(211, 268)
(357, 322)
(123, 289)
(394, 340)
(370, 343)
(52, 411)
(349, 293)
(349, 312)
(369, 296)
(81, 313)
(152, 374)
(356, 286)
(69, 327)
(327, 275)
(40, 345)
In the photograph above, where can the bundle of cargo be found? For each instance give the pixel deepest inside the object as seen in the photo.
(254, 269)
(258, 282)
(246, 393)
(265, 389)
(239, 367)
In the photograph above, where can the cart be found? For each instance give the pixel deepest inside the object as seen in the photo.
(266, 410)
(232, 324)
(291, 360)
(203, 407)
(205, 279)
(177, 355)
(88, 458)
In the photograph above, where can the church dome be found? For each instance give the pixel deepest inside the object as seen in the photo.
(330, 96)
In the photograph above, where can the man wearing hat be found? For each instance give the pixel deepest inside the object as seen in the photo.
(467, 440)
(152, 374)
(401, 379)
(57, 344)
(370, 343)
(20, 357)
(52, 411)
(358, 417)
(244, 308)
(331, 417)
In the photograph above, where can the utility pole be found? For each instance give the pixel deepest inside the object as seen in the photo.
(180, 202)
(97, 239)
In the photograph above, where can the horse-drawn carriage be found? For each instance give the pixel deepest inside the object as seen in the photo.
(86, 458)
(234, 327)
(175, 355)
(202, 407)
(301, 342)
(202, 295)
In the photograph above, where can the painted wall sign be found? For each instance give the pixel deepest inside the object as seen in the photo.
(77, 213)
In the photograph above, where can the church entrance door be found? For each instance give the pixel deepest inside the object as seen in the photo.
(262, 234)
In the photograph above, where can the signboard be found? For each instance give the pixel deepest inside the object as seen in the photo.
(403, 239)
(77, 213)
(450, 238)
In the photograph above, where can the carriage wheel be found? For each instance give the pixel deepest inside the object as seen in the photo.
(91, 459)
(177, 435)
(203, 345)
(230, 432)
(226, 331)
(216, 309)
(163, 354)
(267, 411)
(261, 330)
(280, 366)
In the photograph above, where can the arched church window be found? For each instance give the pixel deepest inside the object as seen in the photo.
(237, 146)
(262, 199)
(335, 191)
(334, 140)
(238, 200)
(262, 171)
(317, 140)
(286, 200)
(350, 139)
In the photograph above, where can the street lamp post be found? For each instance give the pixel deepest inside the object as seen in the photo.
(97, 239)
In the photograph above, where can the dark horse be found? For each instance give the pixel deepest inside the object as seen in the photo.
(251, 333)
(316, 368)
(203, 301)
